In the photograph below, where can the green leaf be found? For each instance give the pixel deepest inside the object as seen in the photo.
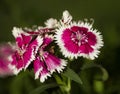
(89, 65)
(17, 83)
(72, 75)
(104, 76)
(43, 87)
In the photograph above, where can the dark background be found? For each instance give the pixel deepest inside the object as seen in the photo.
(26, 13)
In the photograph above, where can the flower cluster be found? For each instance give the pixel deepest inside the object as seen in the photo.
(31, 49)
(75, 39)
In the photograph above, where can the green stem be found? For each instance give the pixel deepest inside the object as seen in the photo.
(98, 87)
(64, 84)
(68, 86)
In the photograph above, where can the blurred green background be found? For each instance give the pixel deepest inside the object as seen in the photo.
(106, 13)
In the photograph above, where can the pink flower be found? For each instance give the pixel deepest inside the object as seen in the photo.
(78, 39)
(5, 51)
(46, 63)
(27, 47)
(31, 48)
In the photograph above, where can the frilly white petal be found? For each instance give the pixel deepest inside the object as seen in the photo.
(51, 23)
(60, 68)
(38, 73)
(16, 31)
(44, 77)
(66, 18)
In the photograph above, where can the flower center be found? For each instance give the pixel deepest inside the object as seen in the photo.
(79, 38)
(21, 52)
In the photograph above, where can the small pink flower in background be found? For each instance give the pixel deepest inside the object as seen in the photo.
(27, 47)
(78, 39)
(6, 50)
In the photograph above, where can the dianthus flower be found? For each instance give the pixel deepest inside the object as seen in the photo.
(46, 63)
(31, 49)
(27, 47)
(78, 38)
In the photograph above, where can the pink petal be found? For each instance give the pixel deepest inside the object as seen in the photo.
(4, 69)
(86, 48)
(44, 73)
(17, 63)
(26, 38)
(72, 47)
(82, 30)
(91, 38)
(36, 43)
(66, 36)
(19, 42)
(68, 43)
(53, 63)
(6, 50)
(28, 57)
(40, 70)
(37, 67)
(23, 39)
(47, 40)
(2, 64)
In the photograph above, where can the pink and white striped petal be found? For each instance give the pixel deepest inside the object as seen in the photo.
(17, 63)
(40, 70)
(44, 74)
(28, 57)
(37, 67)
(21, 37)
(47, 40)
(32, 49)
(54, 63)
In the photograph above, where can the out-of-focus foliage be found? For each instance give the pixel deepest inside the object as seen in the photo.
(106, 14)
